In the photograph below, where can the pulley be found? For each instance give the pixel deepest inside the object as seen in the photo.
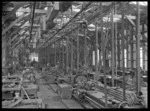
(80, 80)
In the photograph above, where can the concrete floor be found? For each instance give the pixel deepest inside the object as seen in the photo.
(51, 98)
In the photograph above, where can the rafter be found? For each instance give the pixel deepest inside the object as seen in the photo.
(17, 41)
(26, 10)
(18, 35)
(14, 11)
(12, 24)
(18, 28)
(88, 4)
(34, 25)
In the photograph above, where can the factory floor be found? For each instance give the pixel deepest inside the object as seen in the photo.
(50, 97)
(53, 101)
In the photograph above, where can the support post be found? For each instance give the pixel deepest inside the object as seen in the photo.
(116, 38)
(72, 55)
(104, 56)
(131, 44)
(96, 48)
(138, 50)
(55, 52)
(118, 51)
(77, 35)
(85, 47)
(59, 52)
(67, 45)
(122, 31)
(143, 29)
(63, 54)
(46, 56)
(127, 51)
(113, 50)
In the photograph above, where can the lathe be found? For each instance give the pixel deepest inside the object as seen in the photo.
(94, 93)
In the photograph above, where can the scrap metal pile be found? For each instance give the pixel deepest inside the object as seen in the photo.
(20, 91)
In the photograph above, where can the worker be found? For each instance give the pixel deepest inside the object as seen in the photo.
(10, 69)
(33, 63)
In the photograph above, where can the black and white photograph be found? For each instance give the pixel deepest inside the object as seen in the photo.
(74, 54)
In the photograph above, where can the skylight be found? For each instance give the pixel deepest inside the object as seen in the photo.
(141, 3)
(75, 9)
(45, 8)
(18, 13)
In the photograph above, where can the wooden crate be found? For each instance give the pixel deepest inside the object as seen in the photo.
(64, 90)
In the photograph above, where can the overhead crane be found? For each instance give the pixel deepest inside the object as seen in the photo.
(95, 67)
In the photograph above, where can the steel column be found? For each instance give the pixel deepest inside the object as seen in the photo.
(113, 48)
(143, 29)
(63, 54)
(59, 52)
(55, 53)
(96, 76)
(116, 50)
(72, 54)
(67, 45)
(138, 49)
(77, 37)
(123, 40)
(131, 44)
(104, 56)
(85, 47)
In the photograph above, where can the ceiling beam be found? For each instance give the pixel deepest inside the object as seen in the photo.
(12, 24)
(34, 25)
(14, 11)
(120, 16)
(18, 28)
(26, 10)
(90, 19)
(85, 7)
